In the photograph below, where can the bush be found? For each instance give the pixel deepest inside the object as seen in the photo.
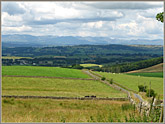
(142, 88)
(103, 78)
(150, 93)
(111, 81)
(77, 66)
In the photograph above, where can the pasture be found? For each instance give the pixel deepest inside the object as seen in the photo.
(132, 82)
(56, 87)
(43, 71)
(49, 110)
(148, 74)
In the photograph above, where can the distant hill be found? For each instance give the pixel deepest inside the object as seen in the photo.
(155, 68)
(17, 40)
(86, 50)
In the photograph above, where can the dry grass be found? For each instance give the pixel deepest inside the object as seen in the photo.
(41, 110)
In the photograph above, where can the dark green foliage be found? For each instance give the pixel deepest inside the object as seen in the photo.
(133, 66)
(142, 88)
(150, 93)
(160, 16)
(65, 56)
(111, 81)
(77, 66)
(103, 78)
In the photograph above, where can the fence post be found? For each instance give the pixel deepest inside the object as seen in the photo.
(161, 114)
(151, 105)
(140, 107)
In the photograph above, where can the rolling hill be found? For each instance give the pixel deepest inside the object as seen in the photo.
(155, 68)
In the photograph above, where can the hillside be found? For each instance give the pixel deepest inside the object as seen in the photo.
(155, 68)
(82, 54)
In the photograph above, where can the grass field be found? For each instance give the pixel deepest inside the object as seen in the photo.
(132, 82)
(48, 110)
(148, 74)
(90, 65)
(43, 71)
(56, 87)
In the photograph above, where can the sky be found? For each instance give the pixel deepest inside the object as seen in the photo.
(122, 20)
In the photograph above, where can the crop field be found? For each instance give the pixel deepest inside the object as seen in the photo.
(14, 57)
(132, 82)
(90, 65)
(49, 110)
(148, 74)
(56, 87)
(43, 71)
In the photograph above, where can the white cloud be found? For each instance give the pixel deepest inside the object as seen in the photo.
(111, 19)
(17, 29)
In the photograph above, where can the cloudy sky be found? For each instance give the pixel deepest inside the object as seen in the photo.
(125, 20)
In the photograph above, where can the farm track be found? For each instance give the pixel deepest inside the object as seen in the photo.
(48, 77)
(76, 98)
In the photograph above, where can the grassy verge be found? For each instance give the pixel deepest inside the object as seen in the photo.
(56, 87)
(41, 110)
(42, 71)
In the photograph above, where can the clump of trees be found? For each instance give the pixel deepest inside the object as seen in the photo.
(118, 68)
(142, 88)
(149, 92)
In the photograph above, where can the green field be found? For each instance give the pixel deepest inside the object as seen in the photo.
(90, 65)
(49, 110)
(132, 82)
(43, 71)
(148, 74)
(56, 87)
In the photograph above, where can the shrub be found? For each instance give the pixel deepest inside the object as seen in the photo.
(103, 78)
(142, 88)
(111, 81)
(150, 93)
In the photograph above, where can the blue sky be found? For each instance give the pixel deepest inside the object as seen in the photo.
(122, 20)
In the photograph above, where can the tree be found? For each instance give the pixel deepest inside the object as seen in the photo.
(160, 16)
(150, 93)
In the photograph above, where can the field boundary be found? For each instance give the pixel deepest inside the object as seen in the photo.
(76, 98)
(48, 77)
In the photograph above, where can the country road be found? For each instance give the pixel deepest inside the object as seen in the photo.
(96, 77)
